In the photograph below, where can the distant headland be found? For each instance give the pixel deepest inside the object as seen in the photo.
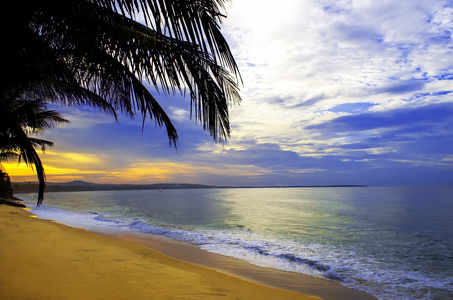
(73, 186)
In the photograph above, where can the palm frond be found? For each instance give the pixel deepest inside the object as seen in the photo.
(34, 115)
(6, 155)
(186, 36)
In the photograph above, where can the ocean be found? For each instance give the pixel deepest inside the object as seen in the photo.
(392, 242)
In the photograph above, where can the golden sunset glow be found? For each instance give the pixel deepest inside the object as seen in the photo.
(63, 167)
(73, 157)
(18, 170)
(22, 172)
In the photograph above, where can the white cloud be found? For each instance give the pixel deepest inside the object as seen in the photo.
(178, 114)
(325, 53)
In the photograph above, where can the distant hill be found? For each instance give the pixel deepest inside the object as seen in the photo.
(75, 182)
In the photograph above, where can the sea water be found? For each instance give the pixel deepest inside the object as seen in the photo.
(392, 242)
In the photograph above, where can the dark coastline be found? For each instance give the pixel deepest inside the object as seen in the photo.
(78, 186)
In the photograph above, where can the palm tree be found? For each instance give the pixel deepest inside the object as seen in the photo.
(18, 119)
(97, 53)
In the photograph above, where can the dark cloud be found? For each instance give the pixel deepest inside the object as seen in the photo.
(402, 86)
(356, 146)
(415, 136)
(428, 116)
(360, 34)
(310, 101)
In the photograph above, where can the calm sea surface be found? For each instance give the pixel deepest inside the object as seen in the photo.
(392, 242)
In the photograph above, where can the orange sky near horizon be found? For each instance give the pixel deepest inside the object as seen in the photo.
(65, 167)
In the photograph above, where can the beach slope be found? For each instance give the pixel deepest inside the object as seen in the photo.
(40, 259)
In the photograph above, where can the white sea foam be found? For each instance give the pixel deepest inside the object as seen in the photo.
(89, 221)
(242, 245)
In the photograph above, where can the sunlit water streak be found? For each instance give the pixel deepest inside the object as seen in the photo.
(393, 242)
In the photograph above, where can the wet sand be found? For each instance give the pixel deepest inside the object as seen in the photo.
(289, 281)
(40, 259)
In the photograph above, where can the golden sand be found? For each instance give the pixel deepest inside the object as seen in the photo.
(40, 259)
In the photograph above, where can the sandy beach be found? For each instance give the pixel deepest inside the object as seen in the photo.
(41, 259)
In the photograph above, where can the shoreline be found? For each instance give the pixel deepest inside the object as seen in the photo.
(282, 280)
(42, 259)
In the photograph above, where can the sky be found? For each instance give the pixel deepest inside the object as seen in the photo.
(334, 92)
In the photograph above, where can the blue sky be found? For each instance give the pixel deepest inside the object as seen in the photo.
(335, 92)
